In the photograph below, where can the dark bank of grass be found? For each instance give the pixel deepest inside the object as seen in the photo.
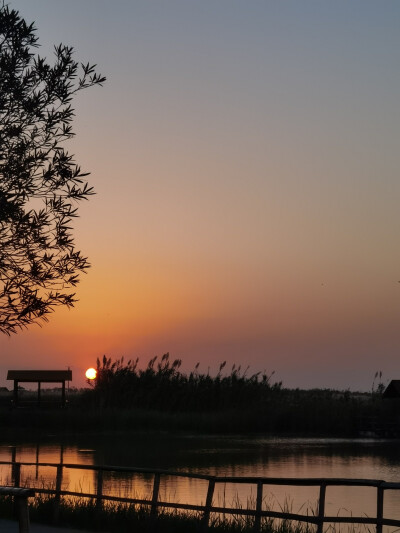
(230, 401)
(121, 518)
(163, 386)
(303, 413)
(161, 397)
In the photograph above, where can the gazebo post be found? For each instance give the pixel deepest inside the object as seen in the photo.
(15, 392)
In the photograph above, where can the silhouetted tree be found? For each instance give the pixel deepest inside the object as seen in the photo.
(40, 182)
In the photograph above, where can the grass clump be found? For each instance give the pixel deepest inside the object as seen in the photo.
(82, 513)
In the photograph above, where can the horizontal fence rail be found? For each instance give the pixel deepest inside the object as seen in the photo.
(154, 503)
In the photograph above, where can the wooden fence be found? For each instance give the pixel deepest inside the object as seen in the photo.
(257, 513)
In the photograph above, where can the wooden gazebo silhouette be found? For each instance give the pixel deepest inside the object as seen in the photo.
(39, 377)
(392, 390)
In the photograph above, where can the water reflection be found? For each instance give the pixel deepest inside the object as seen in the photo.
(221, 456)
(45, 476)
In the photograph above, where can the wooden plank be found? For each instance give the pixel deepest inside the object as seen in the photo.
(15, 393)
(299, 482)
(99, 491)
(247, 480)
(379, 509)
(16, 474)
(321, 508)
(57, 496)
(350, 520)
(16, 491)
(379, 521)
(21, 511)
(32, 376)
(257, 519)
(235, 511)
(390, 485)
(154, 499)
(208, 505)
(23, 514)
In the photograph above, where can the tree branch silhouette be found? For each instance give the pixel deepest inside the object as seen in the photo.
(40, 182)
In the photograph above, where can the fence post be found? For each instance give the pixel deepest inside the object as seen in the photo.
(16, 474)
(23, 513)
(57, 497)
(99, 490)
(207, 508)
(154, 499)
(379, 509)
(321, 507)
(257, 519)
(16, 481)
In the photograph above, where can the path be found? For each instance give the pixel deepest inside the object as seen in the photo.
(8, 526)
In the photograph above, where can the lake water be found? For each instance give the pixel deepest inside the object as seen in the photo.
(223, 456)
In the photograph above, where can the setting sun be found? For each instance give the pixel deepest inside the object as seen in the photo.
(91, 373)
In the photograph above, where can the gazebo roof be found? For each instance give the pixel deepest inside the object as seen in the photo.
(47, 376)
(393, 389)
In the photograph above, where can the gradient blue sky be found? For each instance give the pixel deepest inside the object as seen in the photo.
(245, 157)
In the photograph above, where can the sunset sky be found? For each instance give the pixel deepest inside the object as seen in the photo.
(245, 156)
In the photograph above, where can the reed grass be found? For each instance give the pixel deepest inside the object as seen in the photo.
(162, 397)
(82, 513)
(114, 517)
(232, 400)
(162, 385)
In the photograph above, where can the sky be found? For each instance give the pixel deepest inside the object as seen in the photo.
(245, 158)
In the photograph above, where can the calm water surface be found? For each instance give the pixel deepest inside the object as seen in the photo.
(228, 455)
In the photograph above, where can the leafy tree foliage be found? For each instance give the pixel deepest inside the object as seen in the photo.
(40, 183)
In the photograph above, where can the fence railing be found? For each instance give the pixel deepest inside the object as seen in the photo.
(257, 513)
